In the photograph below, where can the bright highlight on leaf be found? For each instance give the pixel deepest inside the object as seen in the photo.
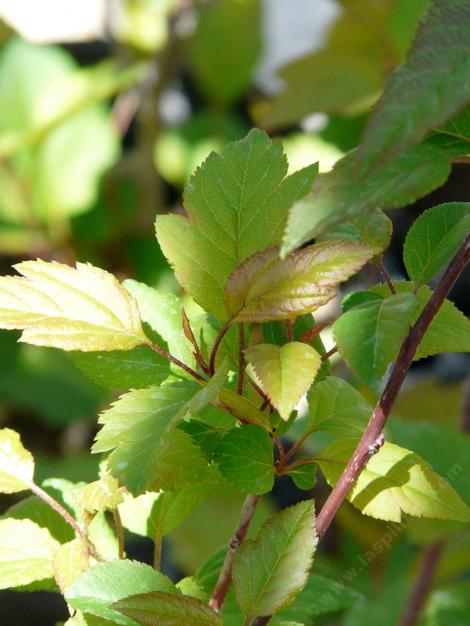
(266, 287)
(285, 372)
(70, 561)
(269, 572)
(16, 463)
(395, 481)
(237, 204)
(167, 609)
(434, 238)
(26, 553)
(82, 308)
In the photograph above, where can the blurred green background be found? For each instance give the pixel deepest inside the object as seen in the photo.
(106, 108)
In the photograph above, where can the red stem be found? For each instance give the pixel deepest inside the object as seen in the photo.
(173, 359)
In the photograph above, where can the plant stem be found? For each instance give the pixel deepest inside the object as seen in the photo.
(157, 550)
(381, 412)
(262, 621)
(314, 332)
(327, 355)
(173, 359)
(119, 532)
(71, 521)
(241, 358)
(188, 331)
(225, 576)
(386, 276)
(216, 345)
(422, 585)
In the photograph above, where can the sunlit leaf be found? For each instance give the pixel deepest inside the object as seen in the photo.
(228, 200)
(167, 609)
(285, 372)
(269, 572)
(395, 481)
(70, 561)
(82, 308)
(369, 335)
(245, 459)
(243, 409)
(16, 463)
(100, 495)
(433, 239)
(266, 287)
(103, 584)
(26, 553)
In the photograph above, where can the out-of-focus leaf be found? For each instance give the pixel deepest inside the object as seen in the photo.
(223, 51)
(266, 287)
(82, 308)
(433, 239)
(16, 463)
(167, 609)
(285, 372)
(143, 24)
(103, 584)
(369, 335)
(395, 481)
(448, 606)
(237, 204)
(70, 561)
(26, 553)
(270, 571)
(245, 459)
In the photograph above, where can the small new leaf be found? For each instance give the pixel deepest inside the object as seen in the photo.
(434, 238)
(167, 609)
(100, 495)
(395, 481)
(266, 287)
(70, 561)
(16, 463)
(285, 372)
(82, 308)
(26, 553)
(245, 459)
(269, 572)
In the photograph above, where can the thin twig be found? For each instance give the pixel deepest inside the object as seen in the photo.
(422, 585)
(381, 412)
(258, 389)
(216, 345)
(173, 359)
(310, 335)
(225, 576)
(241, 358)
(327, 355)
(290, 330)
(119, 532)
(385, 275)
(290, 453)
(188, 332)
(157, 549)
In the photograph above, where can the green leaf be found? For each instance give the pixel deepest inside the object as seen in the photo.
(430, 86)
(335, 407)
(369, 335)
(449, 330)
(103, 584)
(123, 369)
(266, 287)
(372, 229)
(270, 571)
(319, 596)
(224, 48)
(285, 372)
(454, 136)
(448, 606)
(100, 495)
(227, 200)
(162, 312)
(167, 609)
(157, 514)
(243, 409)
(245, 458)
(26, 553)
(82, 308)
(395, 481)
(304, 476)
(341, 195)
(16, 463)
(189, 586)
(70, 561)
(148, 451)
(434, 238)
(357, 298)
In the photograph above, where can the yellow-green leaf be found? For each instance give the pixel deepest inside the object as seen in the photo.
(26, 553)
(243, 409)
(16, 463)
(395, 481)
(81, 308)
(266, 287)
(285, 372)
(100, 495)
(70, 561)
